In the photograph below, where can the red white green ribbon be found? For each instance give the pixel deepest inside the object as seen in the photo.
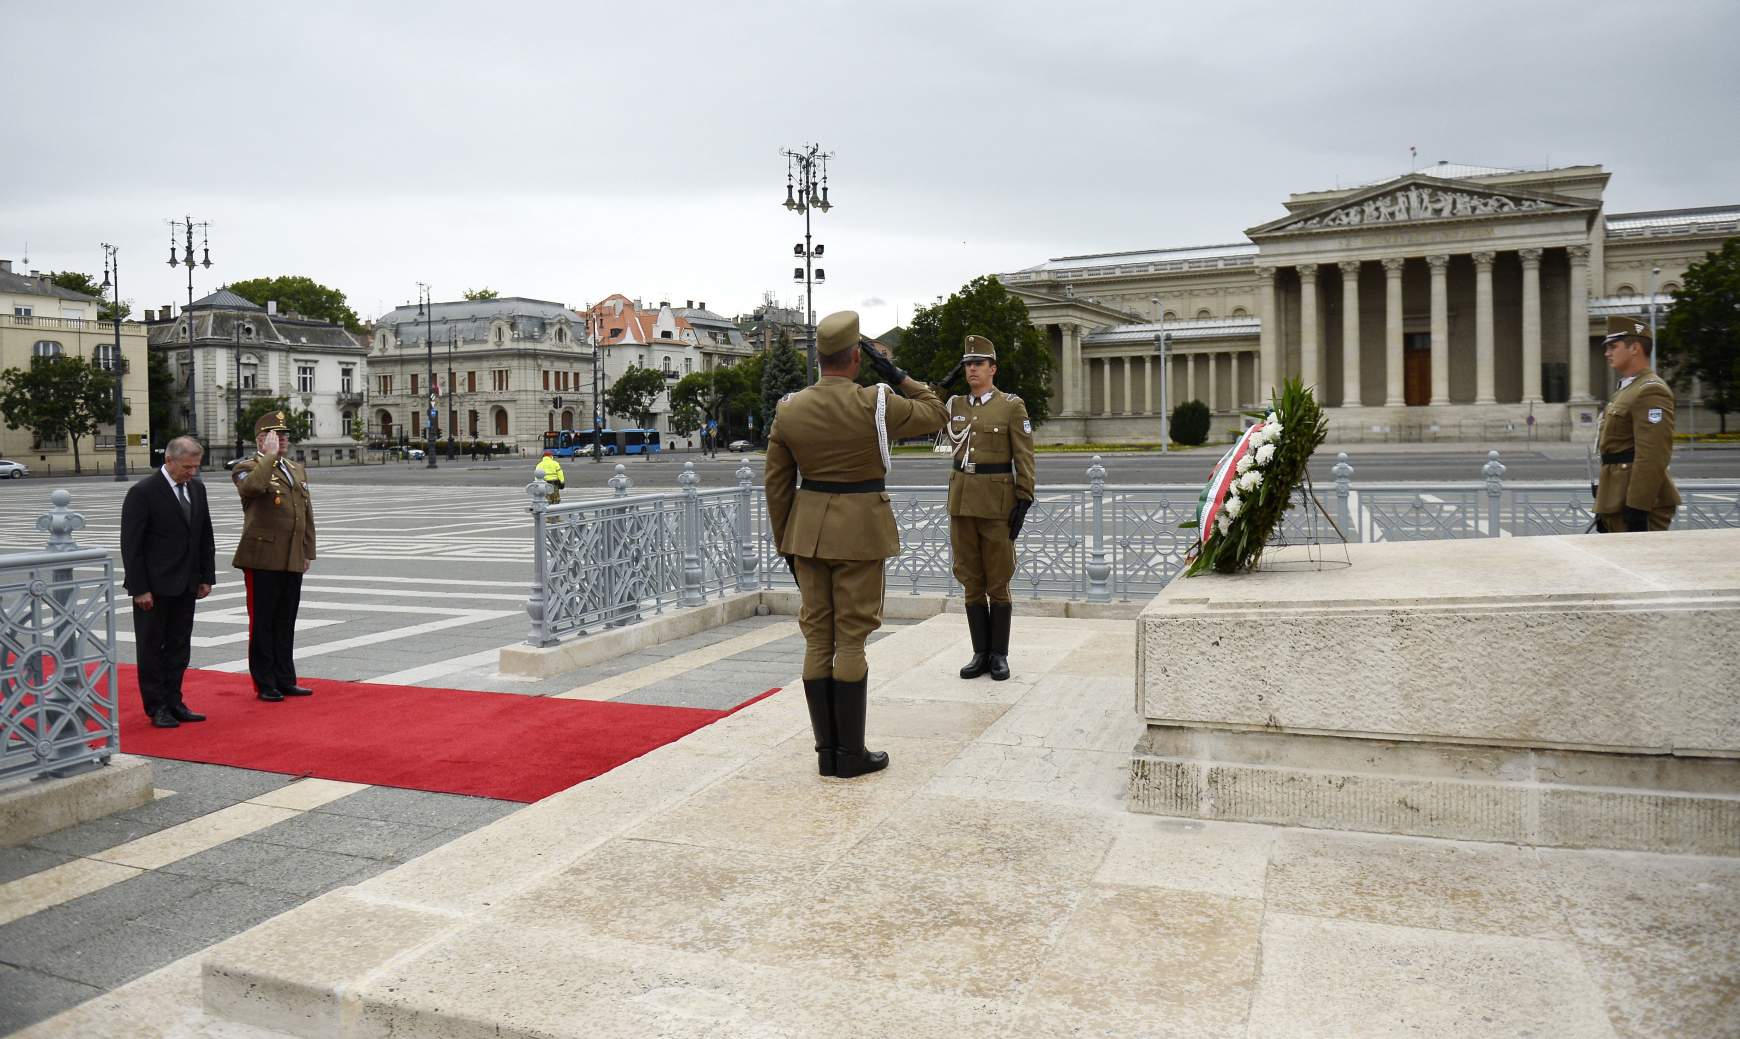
(1214, 493)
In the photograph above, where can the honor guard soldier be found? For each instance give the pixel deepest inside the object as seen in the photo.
(990, 491)
(276, 547)
(1636, 439)
(827, 457)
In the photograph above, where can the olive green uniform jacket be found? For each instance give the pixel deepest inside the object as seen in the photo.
(997, 431)
(828, 432)
(1640, 419)
(277, 517)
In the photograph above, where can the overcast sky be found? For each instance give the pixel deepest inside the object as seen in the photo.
(564, 151)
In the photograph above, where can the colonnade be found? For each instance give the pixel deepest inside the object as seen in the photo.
(1194, 374)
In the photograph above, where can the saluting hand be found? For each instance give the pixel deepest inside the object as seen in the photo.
(269, 445)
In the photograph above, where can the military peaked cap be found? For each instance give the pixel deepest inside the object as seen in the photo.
(978, 348)
(837, 333)
(269, 421)
(1626, 328)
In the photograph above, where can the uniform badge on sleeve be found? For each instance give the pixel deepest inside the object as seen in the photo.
(1027, 427)
(1654, 415)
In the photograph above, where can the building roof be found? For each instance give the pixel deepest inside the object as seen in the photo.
(252, 327)
(1614, 306)
(1142, 259)
(1180, 331)
(226, 299)
(39, 285)
(1698, 220)
(469, 320)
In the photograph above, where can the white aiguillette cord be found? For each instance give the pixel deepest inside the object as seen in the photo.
(882, 426)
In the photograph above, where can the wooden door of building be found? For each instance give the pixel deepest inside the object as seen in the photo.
(1417, 368)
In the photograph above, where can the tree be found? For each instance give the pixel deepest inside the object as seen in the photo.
(634, 393)
(303, 295)
(932, 344)
(1189, 425)
(719, 394)
(1702, 335)
(163, 391)
(781, 373)
(301, 423)
(58, 398)
(83, 283)
(484, 293)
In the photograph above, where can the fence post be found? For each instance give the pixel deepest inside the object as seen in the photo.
(620, 483)
(60, 521)
(692, 591)
(1098, 569)
(537, 603)
(745, 530)
(1343, 490)
(1493, 470)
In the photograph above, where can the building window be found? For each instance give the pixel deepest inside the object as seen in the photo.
(561, 335)
(386, 385)
(1625, 290)
(498, 378)
(23, 312)
(345, 375)
(250, 376)
(45, 348)
(471, 422)
(413, 384)
(501, 425)
(666, 334)
(471, 383)
(305, 378)
(1240, 312)
(546, 380)
(1203, 314)
(667, 366)
(688, 366)
(498, 334)
(104, 357)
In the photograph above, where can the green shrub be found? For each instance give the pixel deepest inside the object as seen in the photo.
(1189, 425)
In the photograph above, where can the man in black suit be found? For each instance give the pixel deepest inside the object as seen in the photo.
(170, 560)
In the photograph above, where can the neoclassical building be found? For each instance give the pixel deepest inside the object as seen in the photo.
(1453, 303)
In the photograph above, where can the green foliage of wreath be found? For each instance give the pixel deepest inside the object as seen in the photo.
(1303, 427)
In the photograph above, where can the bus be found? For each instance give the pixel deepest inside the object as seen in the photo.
(632, 441)
(566, 443)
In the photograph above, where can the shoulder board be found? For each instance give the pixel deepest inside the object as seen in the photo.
(1011, 398)
(785, 398)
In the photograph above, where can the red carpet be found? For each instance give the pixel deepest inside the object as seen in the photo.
(502, 745)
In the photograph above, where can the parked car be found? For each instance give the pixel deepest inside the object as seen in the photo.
(741, 445)
(13, 470)
(415, 454)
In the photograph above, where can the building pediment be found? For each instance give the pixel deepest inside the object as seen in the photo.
(1421, 200)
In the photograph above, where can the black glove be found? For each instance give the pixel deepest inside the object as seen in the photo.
(791, 564)
(885, 368)
(1018, 517)
(1636, 520)
(953, 377)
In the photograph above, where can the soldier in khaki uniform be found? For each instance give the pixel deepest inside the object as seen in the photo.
(1636, 439)
(276, 547)
(990, 491)
(835, 525)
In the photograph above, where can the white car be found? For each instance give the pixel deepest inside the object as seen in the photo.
(415, 454)
(13, 470)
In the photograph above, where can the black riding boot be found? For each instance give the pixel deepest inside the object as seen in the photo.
(979, 625)
(819, 693)
(851, 701)
(999, 656)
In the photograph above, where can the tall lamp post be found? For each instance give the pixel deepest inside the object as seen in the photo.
(112, 262)
(188, 261)
(1654, 273)
(810, 191)
(1162, 339)
(597, 390)
(236, 352)
(426, 310)
(452, 413)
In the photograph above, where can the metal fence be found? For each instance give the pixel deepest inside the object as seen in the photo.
(612, 561)
(57, 654)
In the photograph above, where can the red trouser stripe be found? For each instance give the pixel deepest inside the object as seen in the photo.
(248, 580)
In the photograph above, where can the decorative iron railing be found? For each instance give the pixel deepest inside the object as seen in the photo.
(57, 654)
(612, 561)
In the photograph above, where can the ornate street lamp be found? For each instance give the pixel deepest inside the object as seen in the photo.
(426, 311)
(188, 261)
(112, 263)
(810, 191)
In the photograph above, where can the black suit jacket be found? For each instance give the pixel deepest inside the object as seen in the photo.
(161, 551)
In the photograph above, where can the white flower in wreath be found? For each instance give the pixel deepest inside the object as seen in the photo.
(1245, 464)
(1222, 523)
(1272, 433)
(1234, 505)
(1252, 481)
(1265, 454)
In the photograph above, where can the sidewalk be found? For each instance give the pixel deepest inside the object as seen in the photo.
(990, 883)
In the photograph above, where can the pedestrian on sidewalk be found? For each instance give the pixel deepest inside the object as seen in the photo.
(1636, 438)
(550, 471)
(276, 548)
(827, 503)
(169, 561)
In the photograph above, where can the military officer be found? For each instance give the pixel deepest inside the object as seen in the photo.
(990, 491)
(1636, 439)
(276, 547)
(827, 456)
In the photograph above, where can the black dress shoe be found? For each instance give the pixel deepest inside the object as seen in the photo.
(269, 695)
(182, 714)
(295, 690)
(164, 718)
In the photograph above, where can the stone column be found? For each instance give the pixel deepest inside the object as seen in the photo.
(1148, 384)
(1268, 335)
(1531, 325)
(1189, 378)
(1579, 318)
(1129, 378)
(1212, 380)
(1106, 385)
(1234, 395)
(1072, 384)
(1440, 328)
(1308, 370)
(1393, 394)
(1350, 333)
(1483, 337)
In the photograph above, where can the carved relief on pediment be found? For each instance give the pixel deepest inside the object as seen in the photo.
(1420, 202)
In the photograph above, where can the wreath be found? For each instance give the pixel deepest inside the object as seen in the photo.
(1253, 483)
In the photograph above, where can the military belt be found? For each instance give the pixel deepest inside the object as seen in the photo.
(1619, 457)
(828, 487)
(981, 468)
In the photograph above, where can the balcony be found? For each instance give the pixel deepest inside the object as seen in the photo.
(351, 397)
